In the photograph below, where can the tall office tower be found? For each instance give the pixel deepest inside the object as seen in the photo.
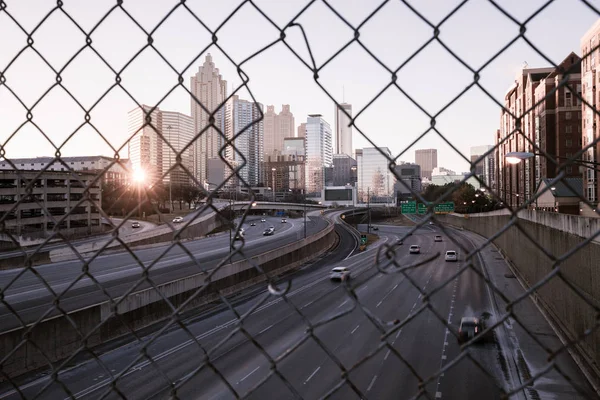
(343, 132)
(277, 127)
(301, 130)
(145, 146)
(269, 123)
(375, 181)
(319, 153)
(243, 117)
(209, 91)
(178, 132)
(427, 160)
(485, 168)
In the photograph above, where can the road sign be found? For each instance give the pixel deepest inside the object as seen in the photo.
(421, 209)
(444, 208)
(363, 240)
(410, 207)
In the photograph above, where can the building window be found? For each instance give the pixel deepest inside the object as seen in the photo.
(22, 165)
(568, 129)
(569, 169)
(569, 142)
(568, 115)
(568, 99)
(569, 155)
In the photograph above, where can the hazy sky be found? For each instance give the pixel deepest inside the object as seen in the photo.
(476, 32)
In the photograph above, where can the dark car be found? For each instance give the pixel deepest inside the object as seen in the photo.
(469, 328)
(252, 224)
(375, 228)
(269, 231)
(135, 224)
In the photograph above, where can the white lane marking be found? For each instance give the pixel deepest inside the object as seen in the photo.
(354, 330)
(386, 355)
(345, 301)
(311, 375)
(438, 395)
(266, 329)
(308, 304)
(251, 372)
(371, 384)
(398, 334)
(386, 295)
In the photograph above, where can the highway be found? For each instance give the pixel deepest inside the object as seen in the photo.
(117, 272)
(399, 358)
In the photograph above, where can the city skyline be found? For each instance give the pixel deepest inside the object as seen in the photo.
(274, 86)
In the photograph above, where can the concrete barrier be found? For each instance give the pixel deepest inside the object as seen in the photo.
(57, 339)
(569, 310)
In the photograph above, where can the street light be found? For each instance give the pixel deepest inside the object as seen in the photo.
(274, 186)
(515, 157)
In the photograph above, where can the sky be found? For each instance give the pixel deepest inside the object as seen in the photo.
(475, 33)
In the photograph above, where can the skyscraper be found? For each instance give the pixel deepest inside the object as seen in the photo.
(269, 123)
(301, 130)
(374, 177)
(427, 160)
(243, 117)
(209, 91)
(343, 132)
(154, 146)
(277, 127)
(178, 132)
(319, 152)
(484, 169)
(145, 146)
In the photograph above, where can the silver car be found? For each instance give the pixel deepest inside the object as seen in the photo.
(340, 274)
(451, 255)
(415, 249)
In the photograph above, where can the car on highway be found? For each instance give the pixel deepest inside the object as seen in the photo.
(375, 228)
(135, 224)
(263, 220)
(252, 224)
(177, 220)
(269, 231)
(415, 249)
(469, 328)
(437, 238)
(430, 223)
(239, 235)
(340, 274)
(451, 255)
(283, 220)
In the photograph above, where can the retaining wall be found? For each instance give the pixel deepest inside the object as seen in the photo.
(569, 310)
(57, 339)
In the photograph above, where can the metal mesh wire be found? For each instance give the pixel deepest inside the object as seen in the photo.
(206, 358)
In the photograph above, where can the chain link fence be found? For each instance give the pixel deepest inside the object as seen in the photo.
(248, 345)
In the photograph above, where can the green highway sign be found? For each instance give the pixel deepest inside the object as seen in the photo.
(421, 209)
(363, 239)
(410, 207)
(444, 208)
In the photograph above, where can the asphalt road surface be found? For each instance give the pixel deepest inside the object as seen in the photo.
(393, 343)
(116, 273)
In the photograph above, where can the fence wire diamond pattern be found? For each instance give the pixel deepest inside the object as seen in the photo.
(266, 361)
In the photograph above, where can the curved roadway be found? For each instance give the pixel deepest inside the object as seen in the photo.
(401, 359)
(28, 295)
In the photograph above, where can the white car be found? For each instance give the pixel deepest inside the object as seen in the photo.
(415, 249)
(340, 274)
(451, 255)
(177, 220)
(438, 238)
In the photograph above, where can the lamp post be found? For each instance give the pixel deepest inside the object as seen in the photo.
(369, 209)
(353, 169)
(304, 201)
(274, 186)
